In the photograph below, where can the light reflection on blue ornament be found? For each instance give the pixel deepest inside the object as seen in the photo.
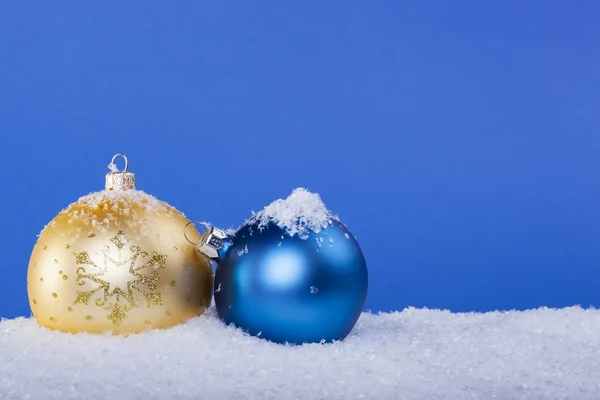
(282, 268)
(288, 289)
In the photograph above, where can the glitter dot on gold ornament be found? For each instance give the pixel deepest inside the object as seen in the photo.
(116, 248)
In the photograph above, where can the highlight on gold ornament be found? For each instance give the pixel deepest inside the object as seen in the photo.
(118, 260)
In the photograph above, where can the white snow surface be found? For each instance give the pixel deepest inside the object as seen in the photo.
(414, 354)
(301, 211)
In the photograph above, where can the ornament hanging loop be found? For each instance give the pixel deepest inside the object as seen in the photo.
(186, 236)
(113, 167)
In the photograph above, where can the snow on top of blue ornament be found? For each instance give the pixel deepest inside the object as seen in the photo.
(300, 212)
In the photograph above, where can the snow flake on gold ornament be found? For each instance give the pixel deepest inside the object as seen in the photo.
(115, 274)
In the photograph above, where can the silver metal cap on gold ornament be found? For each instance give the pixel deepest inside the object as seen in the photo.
(119, 180)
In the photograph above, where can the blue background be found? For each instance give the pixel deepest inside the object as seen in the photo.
(459, 141)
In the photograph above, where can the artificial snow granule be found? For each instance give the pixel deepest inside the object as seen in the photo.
(113, 167)
(243, 251)
(300, 212)
(231, 231)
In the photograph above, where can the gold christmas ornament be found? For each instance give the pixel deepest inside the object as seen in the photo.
(118, 260)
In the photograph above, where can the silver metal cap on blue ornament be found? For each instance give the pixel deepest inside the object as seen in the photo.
(212, 241)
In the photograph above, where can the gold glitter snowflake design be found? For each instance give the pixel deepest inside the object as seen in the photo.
(116, 281)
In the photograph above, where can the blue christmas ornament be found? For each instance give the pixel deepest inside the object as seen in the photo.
(293, 273)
